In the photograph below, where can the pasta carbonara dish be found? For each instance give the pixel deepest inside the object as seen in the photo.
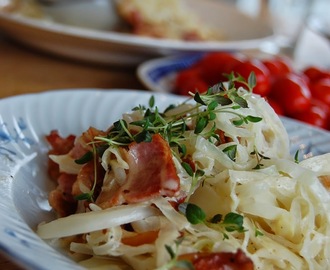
(205, 184)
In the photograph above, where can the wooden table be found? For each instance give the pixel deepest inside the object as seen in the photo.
(23, 70)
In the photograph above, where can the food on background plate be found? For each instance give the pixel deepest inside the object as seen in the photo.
(302, 95)
(208, 182)
(28, 8)
(170, 19)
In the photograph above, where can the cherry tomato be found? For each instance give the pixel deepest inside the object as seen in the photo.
(214, 66)
(277, 66)
(321, 90)
(276, 107)
(314, 73)
(317, 114)
(189, 80)
(262, 75)
(291, 91)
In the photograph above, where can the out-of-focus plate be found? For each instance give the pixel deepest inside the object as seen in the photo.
(96, 43)
(24, 185)
(159, 74)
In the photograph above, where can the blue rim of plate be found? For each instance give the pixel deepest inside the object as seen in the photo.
(158, 74)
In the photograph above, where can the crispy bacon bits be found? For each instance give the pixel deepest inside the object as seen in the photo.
(151, 173)
(219, 261)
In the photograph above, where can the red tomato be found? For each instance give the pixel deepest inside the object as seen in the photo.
(189, 80)
(284, 63)
(314, 73)
(321, 90)
(214, 65)
(260, 70)
(277, 66)
(317, 114)
(291, 91)
(276, 107)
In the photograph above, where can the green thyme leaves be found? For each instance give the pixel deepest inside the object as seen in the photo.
(231, 222)
(175, 262)
(85, 158)
(199, 117)
(195, 175)
(246, 120)
(195, 214)
(259, 157)
(231, 151)
(89, 156)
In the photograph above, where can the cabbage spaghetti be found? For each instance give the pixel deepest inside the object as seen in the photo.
(212, 175)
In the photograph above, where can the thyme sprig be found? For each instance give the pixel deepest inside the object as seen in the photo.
(221, 98)
(231, 222)
(195, 175)
(89, 196)
(259, 158)
(174, 261)
(199, 118)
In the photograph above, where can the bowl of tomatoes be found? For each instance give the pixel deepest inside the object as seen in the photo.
(301, 94)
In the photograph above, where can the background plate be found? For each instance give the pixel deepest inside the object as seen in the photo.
(94, 43)
(24, 185)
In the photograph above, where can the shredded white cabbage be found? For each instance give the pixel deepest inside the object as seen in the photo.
(285, 208)
(95, 220)
(66, 163)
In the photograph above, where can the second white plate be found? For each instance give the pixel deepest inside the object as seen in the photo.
(95, 44)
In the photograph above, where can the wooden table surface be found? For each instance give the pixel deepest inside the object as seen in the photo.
(23, 70)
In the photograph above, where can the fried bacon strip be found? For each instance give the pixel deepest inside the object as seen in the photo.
(151, 173)
(62, 198)
(59, 146)
(219, 261)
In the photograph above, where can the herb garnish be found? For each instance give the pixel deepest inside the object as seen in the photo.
(296, 156)
(174, 262)
(201, 116)
(231, 222)
(195, 175)
(88, 196)
(259, 158)
(220, 98)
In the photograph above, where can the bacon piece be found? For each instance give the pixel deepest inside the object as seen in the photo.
(59, 146)
(85, 178)
(219, 261)
(61, 199)
(222, 137)
(151, 173)
(82, 144)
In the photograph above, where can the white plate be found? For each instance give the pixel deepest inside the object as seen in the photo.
(94, 43)
(24, 185)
